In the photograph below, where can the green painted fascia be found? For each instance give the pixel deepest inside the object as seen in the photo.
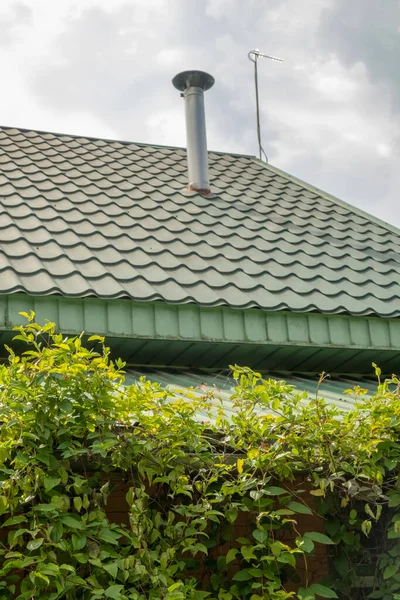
(125, 319)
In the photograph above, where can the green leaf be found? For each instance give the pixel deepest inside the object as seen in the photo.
(256, 494)
(38, 575)
(71, 521)
(56, 532)
(273, 490)
(16, 534)
(22, 458)
(35, 544)
(97, 338)
(297, 507)
(231, 555)
(260, 535)
(3, 504)
(303, 594)
(276, 548)
(369, 512)
(107, 535)
(287, 558)
(366, 527)
(322, 590)
(243, 540)
(65, 567)
(394, 500)
(112, 569)
(198, 595)
(129, 496)
(248, 552)
(14, 555)
(81, 557)
(231, 514)
(50, 569)
(45, 507)
(96, 562)
(243, 575)
(114, 592)
(315, 536)
(254, 572)
(390, 571)
(78, 541)
(305, 544)
(66, 406)
(175, 586)
(390, 464)
(284, 512)
(51, 482)
(44, 456)
(15, 520)
(78, 503)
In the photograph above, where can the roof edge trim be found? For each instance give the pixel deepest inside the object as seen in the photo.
(125, 319)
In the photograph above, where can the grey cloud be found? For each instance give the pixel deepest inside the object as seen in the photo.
(103, 63)
(22, 13)
(366, 31)
(19, 14)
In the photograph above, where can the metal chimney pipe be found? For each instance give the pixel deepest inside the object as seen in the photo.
(193, 84)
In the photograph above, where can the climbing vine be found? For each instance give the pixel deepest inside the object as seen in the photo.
(219, 504)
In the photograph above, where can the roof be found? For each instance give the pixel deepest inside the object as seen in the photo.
(90, 217)
(223, 385)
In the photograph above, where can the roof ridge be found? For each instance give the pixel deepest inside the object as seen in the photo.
(312, 188)
(113, 140)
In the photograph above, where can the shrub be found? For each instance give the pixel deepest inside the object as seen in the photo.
(70, 429)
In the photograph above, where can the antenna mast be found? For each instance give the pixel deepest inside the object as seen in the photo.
(254, 55)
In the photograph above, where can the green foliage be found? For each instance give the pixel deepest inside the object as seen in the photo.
(71, 433)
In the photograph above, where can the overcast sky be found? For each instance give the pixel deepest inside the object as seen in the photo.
(330, 112)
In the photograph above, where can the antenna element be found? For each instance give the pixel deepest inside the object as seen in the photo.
(254, 55)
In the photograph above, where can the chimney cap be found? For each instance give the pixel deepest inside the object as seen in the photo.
(187, 79)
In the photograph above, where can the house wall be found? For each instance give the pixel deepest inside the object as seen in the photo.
(317, 564)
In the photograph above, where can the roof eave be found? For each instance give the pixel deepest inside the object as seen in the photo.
(186, 335)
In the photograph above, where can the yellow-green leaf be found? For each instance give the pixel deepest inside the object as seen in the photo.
(231, 555)
(34, 544)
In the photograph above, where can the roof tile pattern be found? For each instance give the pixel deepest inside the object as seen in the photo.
(84, 217)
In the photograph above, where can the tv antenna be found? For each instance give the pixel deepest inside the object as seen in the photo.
(254, 55)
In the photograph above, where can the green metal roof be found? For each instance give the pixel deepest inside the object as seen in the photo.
(96, 218)
(222, 383)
